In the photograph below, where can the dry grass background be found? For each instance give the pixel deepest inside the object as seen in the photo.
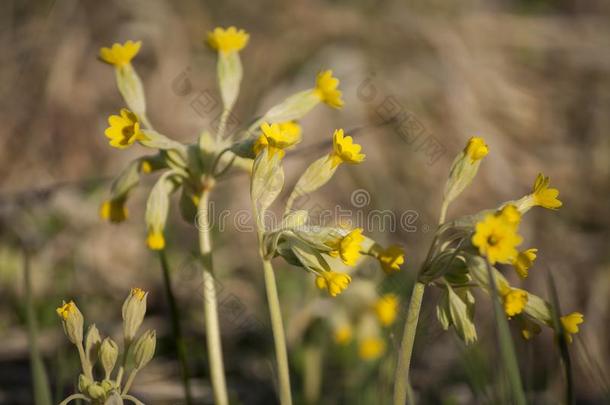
(533, 78)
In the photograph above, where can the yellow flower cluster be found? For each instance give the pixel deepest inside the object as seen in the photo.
(124, 129)
(327, 89)
(345, 150)
(333, 282)
(277, 138)
(496, 235)
(476, 149)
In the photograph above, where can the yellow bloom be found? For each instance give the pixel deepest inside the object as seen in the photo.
(345, 150)
(114, 210)
(124, 129)
(155, 240)
(391, 259)
(514, 300)
(348, 247)
(510, 214)
(333, 282)
(496, 238)
(66, 309)
(371, 348)
(228, 40)
(386, 309)
(524, 261)
(570, 324)
(120, 55)
(343, 335)
(326, 89)
(277, 138)
(138, 293)
(476, 149)
(543, 195)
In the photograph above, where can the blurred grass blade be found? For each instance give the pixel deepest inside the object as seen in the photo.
(42, 392)
(505, 342)
(560, 336)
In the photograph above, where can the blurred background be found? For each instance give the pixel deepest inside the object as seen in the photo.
(419, 78)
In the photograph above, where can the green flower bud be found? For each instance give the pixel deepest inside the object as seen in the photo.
(134, 309)
(109, 351)
(144, 348)
(72, 321)
(108, 385)
(84, 382)
(96, 391)
(92, 344)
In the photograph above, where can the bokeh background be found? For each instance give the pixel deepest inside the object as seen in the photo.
(532, 77)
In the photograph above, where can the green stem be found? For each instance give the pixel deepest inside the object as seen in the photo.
(210, 310)
(177, 332)
(312, 375)
(281, 353)
(130, 379)
(401, 383)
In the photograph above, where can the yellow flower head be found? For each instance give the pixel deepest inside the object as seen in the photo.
(371, 348)
(524, 261)
(386, 309)
(333, 282)
(155, 240)
(138, 293)
(277, 138)
(120, 55)
(345, 150)
(326, 89)
(348, 247)
(570, 324)
(510, 214)
(496, 238)
(514, 300)
(228, 40)
(124, 129)
(343, 334)
(476, 149)
(114, 210)
(391, 259)
(545, 196)
(66, 309)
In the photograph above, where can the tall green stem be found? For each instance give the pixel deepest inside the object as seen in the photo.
(177, 331)
(210, 307)
(401, 383)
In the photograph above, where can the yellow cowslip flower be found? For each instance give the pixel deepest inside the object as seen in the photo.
(496, 238)
(345, 150)
(155, 240)
(228, 40)
(343, 335)
(333, 282)
(120, 55)
(570, 324)
(476, 149)
(326, 89)
(277, 137)
(510, 214)
(391, 259)
(66, 309)
(524, 261)
(72, 321)
(371, 348)
(543, 195)
(138, 293)
(386, 309)
(124, 129)
(514, 300)
(114, 210)
(348, 247)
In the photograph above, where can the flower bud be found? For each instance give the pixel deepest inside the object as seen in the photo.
(72, 321)
(108, 385)
(84, 382)
(92, 344)
(109, 351)
(134, 309)
(96, 391)
(144, 348)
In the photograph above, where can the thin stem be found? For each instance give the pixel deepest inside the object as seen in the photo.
(443, 215)
(130, 379)
(87, 369)
(401, 383)
(281, 353)
(177, 332)
(210, 310)
(74, 397)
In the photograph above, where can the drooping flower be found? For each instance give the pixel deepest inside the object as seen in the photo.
(476, 149)
(570, 324)
(391, 259)
(524, 261)
(155, 240)
(228, 40)
(343, 334)
(386, 309)
(514, 300)
(371, 348)
(497, 239)
(120, 55)
(348, 247)
(333, 282)
(345, 150)
(124, 129)
(543, 195)
(114, 210)
(326, 89)
(277, 138)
